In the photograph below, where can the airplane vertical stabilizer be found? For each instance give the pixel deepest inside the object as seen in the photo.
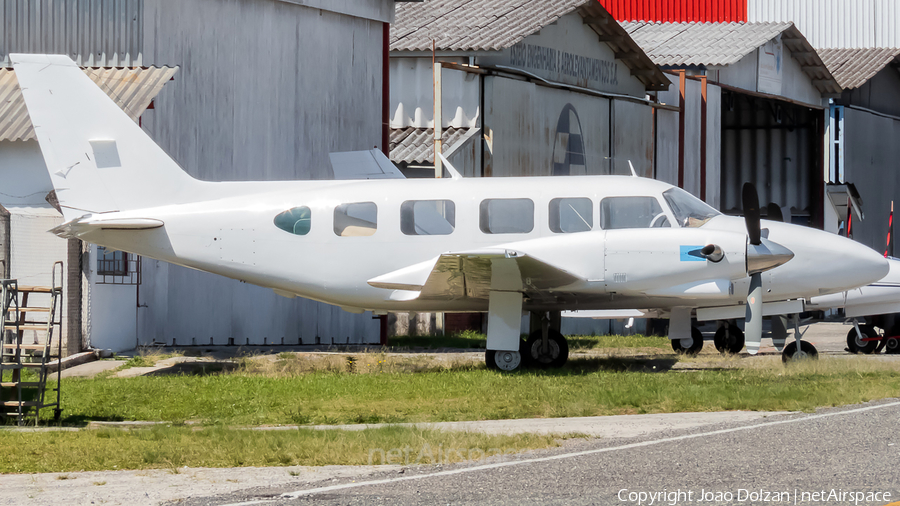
(98, 158)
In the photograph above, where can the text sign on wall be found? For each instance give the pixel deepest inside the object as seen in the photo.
(585, 69)
(771, 66)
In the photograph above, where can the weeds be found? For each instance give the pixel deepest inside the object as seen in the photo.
(171, 448)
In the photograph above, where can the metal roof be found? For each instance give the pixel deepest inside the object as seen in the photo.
(131, 88)
(413, 145)
(853, 67)
(494, 25)
(717, 44)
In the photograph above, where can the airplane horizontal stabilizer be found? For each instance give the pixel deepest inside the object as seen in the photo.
(79, 226)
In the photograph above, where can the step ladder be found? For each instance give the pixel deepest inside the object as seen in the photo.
(22, 393)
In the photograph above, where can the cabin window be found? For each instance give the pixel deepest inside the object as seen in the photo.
(427, 217)
(295, 220)
(355, 220)
(689, 211)
(506, 216)
(632, 212)
(571, 215)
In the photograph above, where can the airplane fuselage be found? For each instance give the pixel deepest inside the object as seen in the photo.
(354, 231)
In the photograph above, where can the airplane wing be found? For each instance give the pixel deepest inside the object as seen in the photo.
(475, 274)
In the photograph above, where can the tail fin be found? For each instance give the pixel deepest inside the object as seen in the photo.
(99, 159)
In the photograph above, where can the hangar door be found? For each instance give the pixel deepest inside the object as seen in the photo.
(777, 146)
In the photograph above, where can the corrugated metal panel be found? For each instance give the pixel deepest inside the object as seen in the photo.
(701, 43)
(678, 11)
(91, 32)
(413, 145)
(835, 23)
(723, 44)
(269, 105)
(472, 24)
(853, 67)
(131, 88)
(490, 25)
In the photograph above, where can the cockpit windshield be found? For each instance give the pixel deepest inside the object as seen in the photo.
(689, 211)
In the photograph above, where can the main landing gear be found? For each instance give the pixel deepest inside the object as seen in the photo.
(506, 351)
(690, 346)
(729, 338)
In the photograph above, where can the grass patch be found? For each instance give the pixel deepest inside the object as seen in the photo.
(466, 339)
(587, 386)
(585, 343)
(175, 447)
(148, 357)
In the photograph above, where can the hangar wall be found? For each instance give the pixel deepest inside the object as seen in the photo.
(257, 109)
(871, 154)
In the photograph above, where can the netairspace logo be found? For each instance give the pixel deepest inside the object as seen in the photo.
(755, 496)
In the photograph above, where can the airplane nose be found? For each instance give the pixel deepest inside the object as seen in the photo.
(865, 264)
(766, 255)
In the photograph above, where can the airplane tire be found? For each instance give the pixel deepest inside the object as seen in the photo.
(854, 345)
(696, 343)
(892, 345)
(729, 339)
(558, 355)
(791, 354)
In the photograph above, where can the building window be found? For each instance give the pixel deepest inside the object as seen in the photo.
(295, 221)
(571, 215)
(631, 212)
(427, 217)
(355, 220)
(111, 263)
(506, 216)
(117, 267)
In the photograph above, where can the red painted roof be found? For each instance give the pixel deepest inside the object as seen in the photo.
(677, 11)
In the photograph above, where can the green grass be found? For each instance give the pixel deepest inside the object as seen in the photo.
(585, 387)
(174, 447)
(465, 339)
(471, 339)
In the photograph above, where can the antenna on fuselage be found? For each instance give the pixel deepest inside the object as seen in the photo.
(633, 173)
(454, 174)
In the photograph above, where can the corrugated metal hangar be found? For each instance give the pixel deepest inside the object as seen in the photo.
(266, 89)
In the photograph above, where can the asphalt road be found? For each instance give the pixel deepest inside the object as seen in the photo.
(830, 457)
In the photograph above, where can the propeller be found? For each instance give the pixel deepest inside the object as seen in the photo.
(753, 318)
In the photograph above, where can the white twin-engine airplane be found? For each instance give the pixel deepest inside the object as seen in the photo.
(501, 245)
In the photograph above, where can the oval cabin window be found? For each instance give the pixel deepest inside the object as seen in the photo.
(295, 221)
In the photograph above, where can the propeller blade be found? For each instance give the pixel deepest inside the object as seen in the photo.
(773, 212)
(750, 201)
(753, 319)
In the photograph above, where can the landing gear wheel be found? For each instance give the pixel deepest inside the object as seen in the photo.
(806, 351)
(695, 346)
(892, 345)
(503, 360)
(729, 339)
(557, 354)
(855, 345)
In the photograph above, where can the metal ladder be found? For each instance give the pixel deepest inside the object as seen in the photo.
(22, 397)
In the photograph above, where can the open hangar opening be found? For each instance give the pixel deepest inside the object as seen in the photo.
(777, 146)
